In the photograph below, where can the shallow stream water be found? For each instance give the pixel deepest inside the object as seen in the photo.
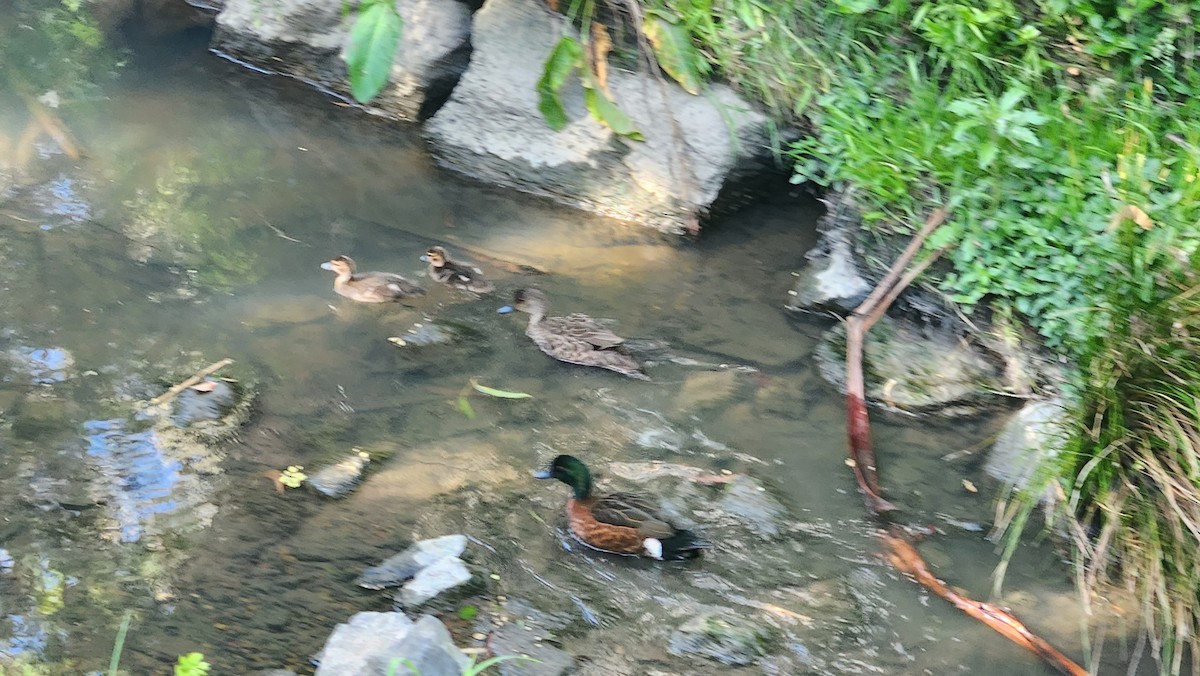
(192, 231)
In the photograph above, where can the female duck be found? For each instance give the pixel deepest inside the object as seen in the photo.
(576, 339)
(620, 523)
(369, 287)
(453, 273)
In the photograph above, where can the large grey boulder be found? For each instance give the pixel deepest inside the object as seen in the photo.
(306, 39)
(491, 129)
(369, 643)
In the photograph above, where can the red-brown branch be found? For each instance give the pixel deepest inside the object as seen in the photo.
(900, 552)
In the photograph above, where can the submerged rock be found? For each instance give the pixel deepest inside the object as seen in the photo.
(722, 635)
(545, 659)
(306, 39)
(370, 643)
(340, 478)
(492, 129)
(407, 563)
(433, 566)
(208, 400)
(910, 369)
(432, 580)
(41, 415)
(748, 501)
(831, 280)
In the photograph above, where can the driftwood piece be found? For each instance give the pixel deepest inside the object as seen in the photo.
(200, 375)
(901, 553)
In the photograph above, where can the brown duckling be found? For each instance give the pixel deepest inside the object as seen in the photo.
(620, 523)
(369, 287)
(575, 339)
(453, 273)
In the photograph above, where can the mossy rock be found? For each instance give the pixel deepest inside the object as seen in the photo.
(910, 369)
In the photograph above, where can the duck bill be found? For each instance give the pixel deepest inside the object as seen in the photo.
(424, 259)
(505, 310)
(326, 265)
(544, 474)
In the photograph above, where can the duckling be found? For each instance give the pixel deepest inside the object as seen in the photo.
(575, 339)
(369, 287)
(620, 523)
(453, 273)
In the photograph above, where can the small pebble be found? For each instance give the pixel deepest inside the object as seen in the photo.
(494, 576)
(501, 598)
(479, 636)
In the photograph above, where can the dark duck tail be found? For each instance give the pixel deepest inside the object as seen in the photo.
(682, 546)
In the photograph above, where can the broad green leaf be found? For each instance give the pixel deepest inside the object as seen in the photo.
(493, 392)
(675, 52)
(987, 155)
(1011, 98)
(607, 112)
(468, 613)
(563, 60)
(465, 407)
(373, 42)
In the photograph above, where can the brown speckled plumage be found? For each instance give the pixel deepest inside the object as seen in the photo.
(576, 338)
(369, 287)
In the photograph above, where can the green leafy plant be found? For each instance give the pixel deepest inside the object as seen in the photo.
(566, 56)
(986, 129)
(373, 41)
(191, 664)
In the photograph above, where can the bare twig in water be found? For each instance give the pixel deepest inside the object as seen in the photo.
(200, 375)
(900, 552)
(277, 231)
(49, 123)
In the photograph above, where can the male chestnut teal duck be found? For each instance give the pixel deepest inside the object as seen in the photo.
(620, 523)
(453, 273)
(575, 339)
(369, 287)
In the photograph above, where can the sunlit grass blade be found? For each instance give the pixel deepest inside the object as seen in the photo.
(115, 660)
(502, 394)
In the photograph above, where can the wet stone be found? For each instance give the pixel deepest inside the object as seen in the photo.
(7, 563)
(38, 417)
(706, 390)
(340, 478)
(408, 563)
(214, 398)
(432, 580)
(915, 368)
(512, 639)
(748, 500)
(421, 334)
(1033, 435)
(370, 642)
(722, 635)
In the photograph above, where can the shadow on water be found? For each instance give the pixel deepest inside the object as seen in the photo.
(193, 231)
